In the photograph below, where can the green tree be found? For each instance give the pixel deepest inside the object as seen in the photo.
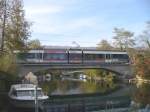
(34, 44)
(104, 45)
(8, 63)
(16, 32)
(123, 38)
(17, 27)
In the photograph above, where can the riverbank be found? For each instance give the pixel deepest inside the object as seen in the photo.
(138, 79)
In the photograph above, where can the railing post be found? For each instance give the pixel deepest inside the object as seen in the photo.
(83, 106)
(68, 107)
(36, 100)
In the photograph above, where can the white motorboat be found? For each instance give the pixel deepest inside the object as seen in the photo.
(25, 95)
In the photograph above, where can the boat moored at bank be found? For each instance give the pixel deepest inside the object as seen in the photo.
(25, 95)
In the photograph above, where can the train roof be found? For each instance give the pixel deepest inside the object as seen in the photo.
(76, 48)
(94, 49)
(74, 51)
(104, 52)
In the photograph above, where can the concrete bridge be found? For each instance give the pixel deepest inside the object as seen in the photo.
(120, 69)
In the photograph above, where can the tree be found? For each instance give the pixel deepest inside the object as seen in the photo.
(141, 64)
(34, 44)
(16, 32)
(7, 63)
(104, 45)
(17, 28)
(2, 22)
(145, 36)
(141, 94)
(123, 38)
(141, 58)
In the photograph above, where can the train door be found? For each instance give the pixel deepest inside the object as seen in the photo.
(108, 58)
(39, 56)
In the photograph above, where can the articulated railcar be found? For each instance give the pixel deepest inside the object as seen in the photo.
(72, 56)
(55, 56)
(94, 56)
(105, 57)
(32, 56)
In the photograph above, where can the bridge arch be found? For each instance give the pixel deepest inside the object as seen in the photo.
(121, 70)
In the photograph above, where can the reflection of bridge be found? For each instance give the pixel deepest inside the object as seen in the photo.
(72, 72)
(122, 69)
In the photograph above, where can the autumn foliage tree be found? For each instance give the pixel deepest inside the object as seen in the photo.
(16, 32)
(142, 57)
(142, 94)
(17, 29)
(142, 64)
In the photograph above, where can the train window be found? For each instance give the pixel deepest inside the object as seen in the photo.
(21, 56)
(47, 56)
(100, 56)
(30, 55)
(38, 55)
(108, 56)
(93, 56)
(120, 56)
(88, 57)
(115, 56)
(59, 56)
(125, 56)
(75, 56)
(54, 56)
(62, 56)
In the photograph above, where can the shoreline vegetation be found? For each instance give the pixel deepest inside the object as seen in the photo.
(140, 80)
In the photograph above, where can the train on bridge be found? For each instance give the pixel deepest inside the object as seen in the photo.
(72, 56)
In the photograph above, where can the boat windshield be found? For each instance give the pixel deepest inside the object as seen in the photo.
(29, 93)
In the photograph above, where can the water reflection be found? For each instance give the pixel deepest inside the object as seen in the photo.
(119, 98)
(105, 87)
(67, 87)
(141, 95)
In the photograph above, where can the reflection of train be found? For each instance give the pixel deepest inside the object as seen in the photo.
(70, 56)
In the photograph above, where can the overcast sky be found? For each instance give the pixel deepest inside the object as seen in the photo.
(60, 22)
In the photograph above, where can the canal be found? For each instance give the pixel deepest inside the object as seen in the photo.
(87, 91)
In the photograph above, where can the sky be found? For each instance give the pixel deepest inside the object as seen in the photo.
(84, 22)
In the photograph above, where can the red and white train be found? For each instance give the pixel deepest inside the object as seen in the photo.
(72, 56)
